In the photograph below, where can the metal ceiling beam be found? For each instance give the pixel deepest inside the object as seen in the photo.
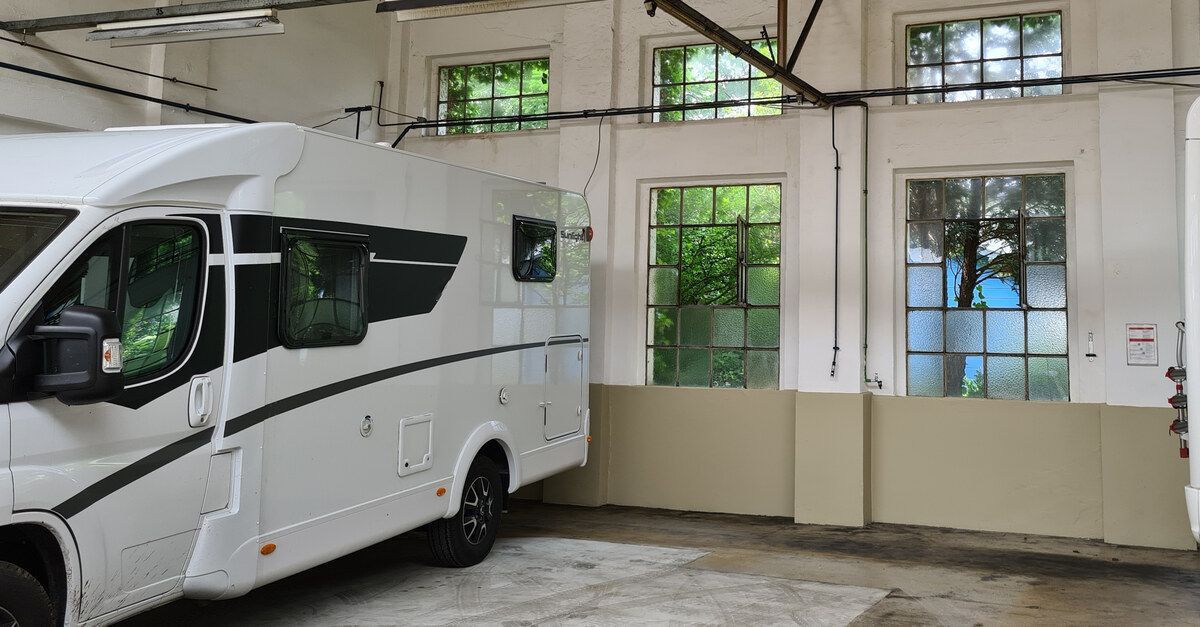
(403, 5)
(91, 20)
(696, 20)
(808, 24)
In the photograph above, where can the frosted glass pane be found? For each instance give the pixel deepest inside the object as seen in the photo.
(764, 203)
(729, 327)
(1045, 196)
(1000, 71)
(964, 331)
(928, 76)
(925, 375)
(963, 41)
(925, 200)
(660, 366)
(1005, 331)
(1046, 239)
(698, 205)
(762, 370)
(763, 245)
(695, 326)
(1006, 377)
(666, 205)
(664, 283)
(1048, 379)
(1002, 38)
(664, 326)
(729, 369)
(701, 63)
(664, 247)
(693, 367)
(925, 331)
(764, 328)
(924, 44)
(730, 67)
(925, 286)
(1002, 197)
(762, 286)
(1048, 332)
(1043, 67)
(964, 376)
(962, 74)
(731, 204)
(925, 242)
(964, 198)
(1047, 287)
(1042, 34)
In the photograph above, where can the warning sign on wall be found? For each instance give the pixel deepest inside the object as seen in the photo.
(1141, 344)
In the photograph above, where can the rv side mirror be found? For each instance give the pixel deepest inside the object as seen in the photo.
(81, 356)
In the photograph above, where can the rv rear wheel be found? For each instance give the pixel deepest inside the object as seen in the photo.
(23, 601)
(466, 538)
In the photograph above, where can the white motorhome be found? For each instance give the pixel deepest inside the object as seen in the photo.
(232, 353)
(1191, 298)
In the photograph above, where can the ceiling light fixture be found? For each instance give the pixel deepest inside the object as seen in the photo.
(190, 28)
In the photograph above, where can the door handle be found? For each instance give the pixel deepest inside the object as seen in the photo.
(200, 402)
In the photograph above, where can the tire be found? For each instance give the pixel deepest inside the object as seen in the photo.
(23, 601)
(466, 538)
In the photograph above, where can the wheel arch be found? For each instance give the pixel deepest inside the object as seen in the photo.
(42, 543)
(495, 440)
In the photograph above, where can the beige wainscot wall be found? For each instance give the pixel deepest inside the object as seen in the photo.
(1064, 469)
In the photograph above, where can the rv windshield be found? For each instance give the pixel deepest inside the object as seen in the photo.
(22, 235)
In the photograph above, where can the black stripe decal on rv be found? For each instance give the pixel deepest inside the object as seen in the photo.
(260, 234)
(175, 450)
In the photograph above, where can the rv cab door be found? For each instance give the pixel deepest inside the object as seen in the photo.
(562, 404)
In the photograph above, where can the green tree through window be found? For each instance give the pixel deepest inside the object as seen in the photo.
(710, 73)
(486, 90)
(713, 296)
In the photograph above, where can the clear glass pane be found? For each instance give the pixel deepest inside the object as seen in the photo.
(925, 200)
(1048, 379)
(766, 89)
(668, 96)
(1045, 195)
(924, 44)
(963, 41)
(925, 331)
(925, 375)
(729, 369)
(964, 331)
(709, 266)
(536, 77)
(664, 247)
(702, 92)
(478, 110)
(764, 203)
(666, 205)
(695, 326)
(1006, 377)
(698, 205)
(693, 367)
(1002, 37)
(1046, 239)
(1005, 331)
(729, 91)
(763, 245)
(764, 328)
(457, 81)
(507, 107)
(925, 286)
(664, 283)
(1002, 197)
(964, 198)
(983, 264)
(730, 67)
(964, 376)
(925, 242)
(762, 286)
(1047, 286)
(962, 74)
(668, 66)
(701, 63)
(762, 370)
(479, 81)
(508, 79)
(765, 47)
(664, 326)
(1043, 67)
(1048, 332)
(729, 327)
(731, 204)
(660, 366)
(928, 76)
(1042, 34)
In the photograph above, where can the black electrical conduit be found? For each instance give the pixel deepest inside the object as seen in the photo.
(170, 79)
(121, 92)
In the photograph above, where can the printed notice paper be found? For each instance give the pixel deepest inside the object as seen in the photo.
(1141, 344)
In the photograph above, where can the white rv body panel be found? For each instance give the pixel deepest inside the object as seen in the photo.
(315, 451)
(1191, 291)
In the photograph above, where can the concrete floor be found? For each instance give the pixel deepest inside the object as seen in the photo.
(569, 565)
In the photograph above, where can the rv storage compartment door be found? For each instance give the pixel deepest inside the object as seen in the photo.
(562, 405)
(416, 444)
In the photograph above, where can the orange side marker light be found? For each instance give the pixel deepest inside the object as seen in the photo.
(267, 548)
(441, 491)
(589, 439)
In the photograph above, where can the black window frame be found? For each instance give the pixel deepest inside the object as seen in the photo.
(352, 242)
(520, 221)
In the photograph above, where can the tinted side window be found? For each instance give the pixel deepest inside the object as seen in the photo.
(164, 274)
(535, 250)
(324, 287)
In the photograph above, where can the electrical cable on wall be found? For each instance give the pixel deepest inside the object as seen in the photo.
(599, 141)
(837, 233)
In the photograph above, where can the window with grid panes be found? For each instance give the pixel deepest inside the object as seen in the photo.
(710, 73)
(485, 90)
(987, 287)
(713, 289)
(960, 53)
